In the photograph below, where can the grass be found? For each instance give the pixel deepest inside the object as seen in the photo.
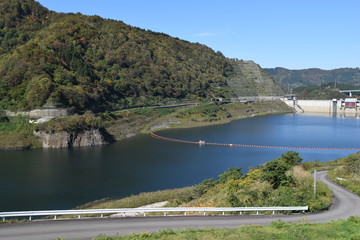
(350, 182)
(251, 191)
(142, 199)
(17, 133)
(341, 229)
(342, 176)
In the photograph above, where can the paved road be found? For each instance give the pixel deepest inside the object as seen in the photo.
(345, 204)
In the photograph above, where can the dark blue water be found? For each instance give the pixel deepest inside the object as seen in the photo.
(63, 179)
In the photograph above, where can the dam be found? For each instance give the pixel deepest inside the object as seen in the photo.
(349, 106)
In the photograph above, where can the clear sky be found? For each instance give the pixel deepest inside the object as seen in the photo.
(294, 34)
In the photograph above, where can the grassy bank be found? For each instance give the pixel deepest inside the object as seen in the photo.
(341, 229)
(142, 199)
(17, 133)
(344, 171)
(125, 123)
(347, 173)
(280, 182)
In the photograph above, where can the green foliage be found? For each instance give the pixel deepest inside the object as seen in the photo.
(204, 186)
(323, 92)
(16, 124)
(38, 91)
(4, 119)
(276, 170)
(204, 112)
(230, 174)
(347, 174)
(88, 62)
(352, 164)
(236, 190)
(292, 186)
(16, 132)
(74, 123)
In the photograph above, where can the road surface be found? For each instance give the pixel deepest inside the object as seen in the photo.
(345, 204)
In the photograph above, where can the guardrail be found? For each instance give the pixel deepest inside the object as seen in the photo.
(143, 211)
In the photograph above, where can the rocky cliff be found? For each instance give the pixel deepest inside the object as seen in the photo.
(64, 139)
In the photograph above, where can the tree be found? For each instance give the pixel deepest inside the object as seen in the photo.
(291, 158)
(275, 171)
(38, 91)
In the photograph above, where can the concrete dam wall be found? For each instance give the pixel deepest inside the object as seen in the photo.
(320, 106)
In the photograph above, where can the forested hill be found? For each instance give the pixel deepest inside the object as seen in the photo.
(314, 76)
(86, 62)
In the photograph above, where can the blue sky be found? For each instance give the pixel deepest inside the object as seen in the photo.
(294, 34)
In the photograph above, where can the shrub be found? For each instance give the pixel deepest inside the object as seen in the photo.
(4, 119)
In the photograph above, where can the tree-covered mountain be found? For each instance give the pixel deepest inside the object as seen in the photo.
(289, 79)
(325, 91)
(86, 62)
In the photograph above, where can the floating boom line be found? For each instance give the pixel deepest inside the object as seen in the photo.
(247, 145)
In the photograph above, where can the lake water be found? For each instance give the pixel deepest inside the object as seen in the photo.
(62, 179)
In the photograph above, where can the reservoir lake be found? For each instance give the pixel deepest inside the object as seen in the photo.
(53, 179)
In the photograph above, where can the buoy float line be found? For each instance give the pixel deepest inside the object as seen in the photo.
(246, 145)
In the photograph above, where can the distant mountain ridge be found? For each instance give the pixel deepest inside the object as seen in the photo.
(314, 76)
(85, 62)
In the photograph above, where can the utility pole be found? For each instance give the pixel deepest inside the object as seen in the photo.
(314, 183)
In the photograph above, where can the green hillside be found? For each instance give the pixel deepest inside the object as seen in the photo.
(325, 91)
(50, 59)
(54, 59)
(290, 79)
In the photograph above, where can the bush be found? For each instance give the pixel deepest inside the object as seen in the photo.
(74, 123)
(275, 171)
(230, 174)
(4, 119)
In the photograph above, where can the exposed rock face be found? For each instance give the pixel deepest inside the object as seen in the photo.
(164, 124)
(64, 139)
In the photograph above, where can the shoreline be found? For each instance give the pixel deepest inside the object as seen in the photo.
(177, 123)
(129, 123)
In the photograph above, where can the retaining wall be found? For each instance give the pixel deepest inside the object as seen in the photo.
(38, 113)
